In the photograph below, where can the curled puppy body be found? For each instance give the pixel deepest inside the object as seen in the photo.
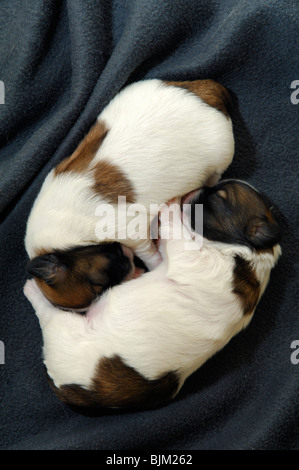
(140, 341)
(154, 141)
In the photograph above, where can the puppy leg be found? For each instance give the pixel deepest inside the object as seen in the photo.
(147, 251)
(35, 295)
(171, 228)
(44, 310)
(176, 241)
(213, 180)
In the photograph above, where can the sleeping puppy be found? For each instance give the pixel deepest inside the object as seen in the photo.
(154, 141)
(140, 341)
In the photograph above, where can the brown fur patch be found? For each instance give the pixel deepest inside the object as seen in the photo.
(76, 296)
(246, 285)
(74, 278)
(110, 182)
(236, 213)
(266, 250)
(85, 152)
(117, 385)
(70, 287)
(40, 252)
(211, 92)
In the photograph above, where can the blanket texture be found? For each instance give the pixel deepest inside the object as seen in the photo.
(61, 62)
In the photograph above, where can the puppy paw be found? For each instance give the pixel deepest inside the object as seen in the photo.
(170, 220)
(33, 293)
(174, 200)
(30, 288)
(213, 180)
(154, 260)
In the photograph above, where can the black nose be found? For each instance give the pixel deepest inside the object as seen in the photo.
(112, 250)
(116, 249)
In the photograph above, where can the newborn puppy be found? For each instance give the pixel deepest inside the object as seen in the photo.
(141, 340)
(155, 140)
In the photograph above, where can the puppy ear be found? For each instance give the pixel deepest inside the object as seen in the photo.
(262, 233)
(98, 278)
(48, 268)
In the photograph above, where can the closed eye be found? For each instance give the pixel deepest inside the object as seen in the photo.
(73, 310)
(97, 289)
(82, 311)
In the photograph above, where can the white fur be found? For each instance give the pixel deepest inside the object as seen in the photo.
(171, 319)
(166, 141)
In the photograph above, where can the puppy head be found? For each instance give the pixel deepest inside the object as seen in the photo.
(234, 212)
(73, 278)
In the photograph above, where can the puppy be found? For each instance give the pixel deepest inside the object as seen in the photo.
(140, 341)
(154, 141)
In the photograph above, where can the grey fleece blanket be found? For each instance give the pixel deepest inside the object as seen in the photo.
(61, 62)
